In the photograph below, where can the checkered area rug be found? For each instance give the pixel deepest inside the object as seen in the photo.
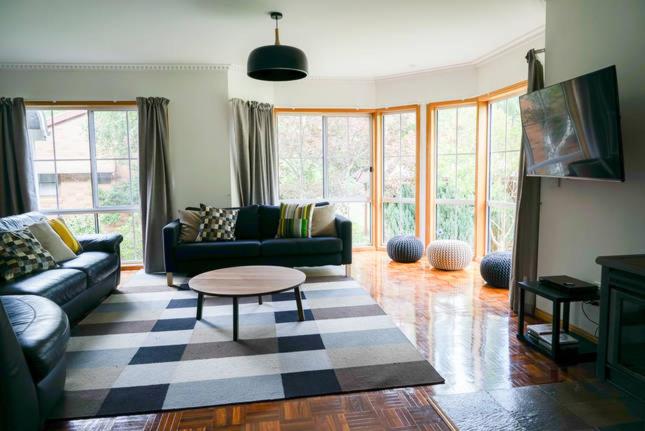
(142, 350)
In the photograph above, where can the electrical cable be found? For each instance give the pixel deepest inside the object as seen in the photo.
(582, 306)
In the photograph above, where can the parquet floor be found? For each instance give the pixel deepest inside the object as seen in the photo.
(462, 327)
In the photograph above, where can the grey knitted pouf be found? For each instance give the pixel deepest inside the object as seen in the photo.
(449, 254)
(495, 268)
(405, 248)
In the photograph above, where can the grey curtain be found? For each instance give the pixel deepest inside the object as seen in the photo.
(17, 185)
(154, 178)
(527, 211)
(254, 153)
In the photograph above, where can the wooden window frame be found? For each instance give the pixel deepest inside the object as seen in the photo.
(96, 210)
(482, 103)
(377, 160)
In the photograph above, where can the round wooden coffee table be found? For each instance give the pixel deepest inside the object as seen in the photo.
(242, 281)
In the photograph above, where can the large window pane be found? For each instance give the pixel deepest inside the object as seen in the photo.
(74, 184)
(80, 224)
(124, 224)
(111, 128)
(399, 174)
(39, 127)
(47, 182)
(114, 183)
(360, 213)
(455, 222)
(455, 172)
(85, 161)
(328, 158)
(505, 140)
(501, 227)
(398, 219)
(71, 137)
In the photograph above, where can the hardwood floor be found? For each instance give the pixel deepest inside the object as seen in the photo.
(465, 329)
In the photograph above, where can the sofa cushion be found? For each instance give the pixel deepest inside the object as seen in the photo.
(42, 330)
(269, 218)
(301, 246)
(22, 254)
(226, 249)
(20, 221)
(97, 265)
(247, 226)
(59, 285)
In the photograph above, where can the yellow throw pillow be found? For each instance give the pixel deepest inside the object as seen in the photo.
(65, 234)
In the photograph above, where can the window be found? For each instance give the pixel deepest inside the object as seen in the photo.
(454, 172)
(399, 174)
(504, 144)
(328, 157)
(86, 162)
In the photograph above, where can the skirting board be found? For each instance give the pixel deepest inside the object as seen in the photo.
(543, 315)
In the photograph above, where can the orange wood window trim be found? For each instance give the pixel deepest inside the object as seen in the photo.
(482, 103)
(504, 92)
(81, 104)
(377, 177)
(481, 178)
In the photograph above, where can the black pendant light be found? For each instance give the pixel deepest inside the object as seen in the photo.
(277, 62)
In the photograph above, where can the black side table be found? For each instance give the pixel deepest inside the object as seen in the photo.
(586, 348)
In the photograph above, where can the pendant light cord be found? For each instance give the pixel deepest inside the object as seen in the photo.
(277, 32)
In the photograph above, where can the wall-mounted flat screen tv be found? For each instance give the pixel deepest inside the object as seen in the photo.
(572, 129)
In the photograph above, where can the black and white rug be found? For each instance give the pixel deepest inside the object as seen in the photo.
(142, 349)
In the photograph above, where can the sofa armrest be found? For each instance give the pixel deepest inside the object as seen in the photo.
(344, 232)
(171, 233)
(108, 242)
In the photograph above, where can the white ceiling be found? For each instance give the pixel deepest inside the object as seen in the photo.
(342, 38)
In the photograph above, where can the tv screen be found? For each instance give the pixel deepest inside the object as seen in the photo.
(572, 129)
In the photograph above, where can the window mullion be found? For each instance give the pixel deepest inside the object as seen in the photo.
(93, 166)
(51, 117)
(325, 158)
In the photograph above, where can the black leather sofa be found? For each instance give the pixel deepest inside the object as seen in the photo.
(35, 315)
(256, 244)
(77, 285)
(34, 332)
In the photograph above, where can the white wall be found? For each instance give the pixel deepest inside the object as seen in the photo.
(242, 87)
(325, 93)
(506, 68)
(581, 220)
(199, 149)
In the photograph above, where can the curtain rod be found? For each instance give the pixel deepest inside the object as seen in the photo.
(73, 103)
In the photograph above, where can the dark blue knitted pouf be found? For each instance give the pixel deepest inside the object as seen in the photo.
(404, 248)
(495, 268)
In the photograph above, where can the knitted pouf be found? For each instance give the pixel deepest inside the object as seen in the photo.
(404, 248)
(449, 254)
(495, 268)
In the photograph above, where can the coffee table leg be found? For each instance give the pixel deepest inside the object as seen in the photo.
(200, 302)
(301, 314)
(235, 318)
(260, 299)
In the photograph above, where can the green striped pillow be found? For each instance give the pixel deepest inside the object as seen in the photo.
(295, 220)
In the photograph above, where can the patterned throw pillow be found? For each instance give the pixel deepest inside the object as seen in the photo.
(22, 254)
(216, 224)
(295, 220)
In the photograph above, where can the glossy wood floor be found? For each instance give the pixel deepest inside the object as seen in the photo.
(463, 328)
